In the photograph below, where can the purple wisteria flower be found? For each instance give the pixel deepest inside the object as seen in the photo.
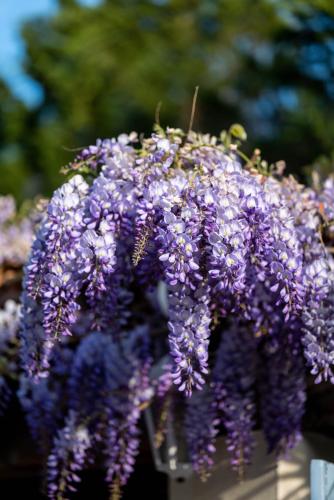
(202, 424)
(43, 400)
(282, 391)
(9, 325)
(170, 247)
(318, 340)
(16, 234)
(104, 388)
(67, 459)
(234, 377)
(189, 298)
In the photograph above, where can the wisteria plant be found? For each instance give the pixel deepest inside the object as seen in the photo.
(16, 235)
(174, 246)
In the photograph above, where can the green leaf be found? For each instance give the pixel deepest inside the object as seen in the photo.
(238, 131)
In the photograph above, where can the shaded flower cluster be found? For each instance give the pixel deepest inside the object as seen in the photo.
(201, 430)
(89, 406)
(9, 323)
(234, 377)
(282, 388)
(319, 338)
(16, 234)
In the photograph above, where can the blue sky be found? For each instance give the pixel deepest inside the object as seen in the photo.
(12, 14)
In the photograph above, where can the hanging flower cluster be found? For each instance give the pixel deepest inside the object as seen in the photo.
(16, 234)
(9, 322)
(174, 226)
(89, 407)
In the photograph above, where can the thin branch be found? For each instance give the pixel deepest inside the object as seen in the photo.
(193, 109)
(157, 113)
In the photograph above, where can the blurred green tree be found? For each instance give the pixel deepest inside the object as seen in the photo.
(266, 63)
(13, 116)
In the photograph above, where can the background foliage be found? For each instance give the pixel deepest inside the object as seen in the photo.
(266, 63)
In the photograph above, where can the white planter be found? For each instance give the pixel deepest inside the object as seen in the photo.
(265, 479)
